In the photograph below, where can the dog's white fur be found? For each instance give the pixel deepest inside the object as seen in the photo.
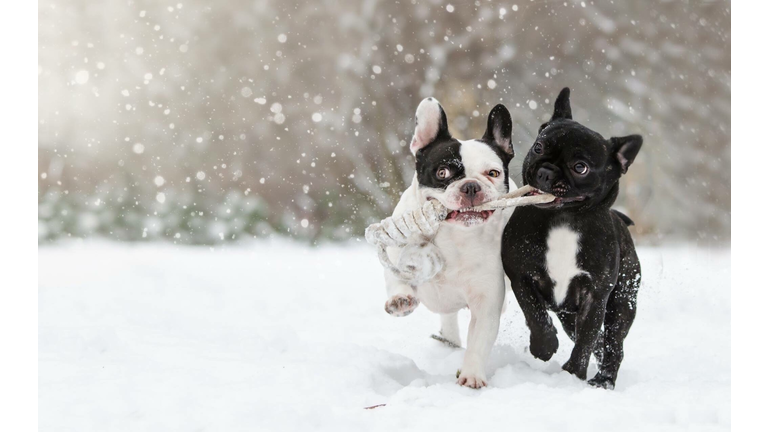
(472, 275)
(562, 248)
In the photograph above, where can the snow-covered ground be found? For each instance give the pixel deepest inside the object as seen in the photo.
(283, 337)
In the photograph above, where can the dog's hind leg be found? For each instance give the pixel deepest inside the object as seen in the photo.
(568, 321)
(449, 330)
(589, 319)
(619, 316)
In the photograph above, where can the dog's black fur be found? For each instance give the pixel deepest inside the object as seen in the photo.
(604, 294)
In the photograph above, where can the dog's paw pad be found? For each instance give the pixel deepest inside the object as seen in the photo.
(400, 305)
(472, 381)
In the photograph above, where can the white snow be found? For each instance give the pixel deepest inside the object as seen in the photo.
(81, 77)
(277, 336)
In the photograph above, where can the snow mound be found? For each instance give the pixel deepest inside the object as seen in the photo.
(283, 337)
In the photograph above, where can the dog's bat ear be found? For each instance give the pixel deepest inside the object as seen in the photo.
(625, 149)
(431, 123)
(563, 105)
(499, 129)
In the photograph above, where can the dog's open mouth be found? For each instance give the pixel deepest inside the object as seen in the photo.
(534, 193)
(469, 217)
(558, 201)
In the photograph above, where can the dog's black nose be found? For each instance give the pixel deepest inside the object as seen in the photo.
(545, 175)
(470, 189)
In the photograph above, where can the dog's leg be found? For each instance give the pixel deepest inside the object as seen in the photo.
(588, 322)
(449, 330)
(402, 298)
(619, 316)
(568, 320)
(543, 341)
(483, 329)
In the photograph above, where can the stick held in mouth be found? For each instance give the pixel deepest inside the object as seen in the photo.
(425, 221)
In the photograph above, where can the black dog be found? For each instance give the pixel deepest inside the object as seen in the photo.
(575, 255)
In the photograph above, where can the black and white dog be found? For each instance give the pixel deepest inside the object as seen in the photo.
(459, 174)
(575, 256)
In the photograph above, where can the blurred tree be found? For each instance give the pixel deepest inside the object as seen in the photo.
(206, 122)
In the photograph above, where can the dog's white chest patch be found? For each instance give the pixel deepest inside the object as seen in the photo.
(562, 248)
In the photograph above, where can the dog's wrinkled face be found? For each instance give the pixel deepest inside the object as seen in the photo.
(461, 174)
(575, 163)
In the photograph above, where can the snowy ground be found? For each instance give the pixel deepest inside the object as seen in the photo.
(283, 337)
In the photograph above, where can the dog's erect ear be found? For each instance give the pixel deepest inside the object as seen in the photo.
(625, 149)
(500, 128)
(431, 123)
(563, 105)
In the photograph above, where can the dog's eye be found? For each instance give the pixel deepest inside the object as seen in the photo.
(538, 148)
(494, 173)
(580, 168)
(443, 173)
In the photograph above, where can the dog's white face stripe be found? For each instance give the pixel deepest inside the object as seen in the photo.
(478, 159)
(562, 248)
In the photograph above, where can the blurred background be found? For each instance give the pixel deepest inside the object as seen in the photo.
(207, 122)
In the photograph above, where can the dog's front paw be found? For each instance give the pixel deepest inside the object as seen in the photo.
(544, 345)
(602, 381)
(401, 305)
(472, 380)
